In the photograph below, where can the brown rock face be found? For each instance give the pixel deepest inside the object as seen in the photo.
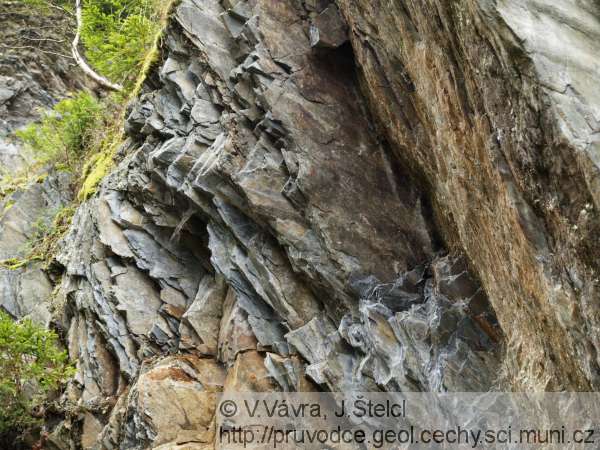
(173, 402)
(495, 132)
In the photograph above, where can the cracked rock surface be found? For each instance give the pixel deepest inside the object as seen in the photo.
(496, 105)
(351, 195)
(32, 79)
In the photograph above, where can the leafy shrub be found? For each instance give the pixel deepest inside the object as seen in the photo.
(62, 134)
(117, 35)
(31, 366)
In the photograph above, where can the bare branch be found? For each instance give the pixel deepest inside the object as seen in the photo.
(79, 59)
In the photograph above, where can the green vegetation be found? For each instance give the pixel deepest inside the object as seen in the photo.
(47, 231)
(63, 134)
(81, 134)
(121, 39)
(31, 366)
(118, 34)
(95, 170)
(77, 135)
(46, 235)
(138, 58)
(152, 56)
(47, 6)
(9, 183)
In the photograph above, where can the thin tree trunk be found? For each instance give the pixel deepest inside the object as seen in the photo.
(79, 59)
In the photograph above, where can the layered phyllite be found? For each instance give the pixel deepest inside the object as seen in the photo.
(337, 196)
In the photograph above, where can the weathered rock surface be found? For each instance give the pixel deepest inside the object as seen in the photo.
(346, 196)
(26, 289)
(35, 64)
(496, 105)
(34, 74)
(259, 222)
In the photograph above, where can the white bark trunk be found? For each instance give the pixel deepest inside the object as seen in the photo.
(79, 59)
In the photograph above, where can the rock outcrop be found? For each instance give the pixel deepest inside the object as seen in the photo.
(350, 195)
(34, 74)
(496, 105)
(258, 221)
(25, 287)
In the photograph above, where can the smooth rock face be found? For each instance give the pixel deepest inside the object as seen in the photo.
(496, 105)
(350, 196)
